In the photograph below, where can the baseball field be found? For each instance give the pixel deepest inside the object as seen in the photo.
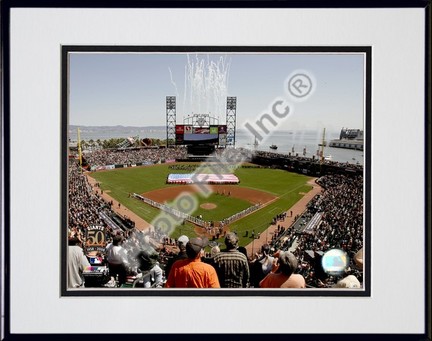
(275, 190)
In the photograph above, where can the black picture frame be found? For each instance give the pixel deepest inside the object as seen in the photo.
(8, 6)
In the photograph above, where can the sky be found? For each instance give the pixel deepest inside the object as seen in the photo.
(129, 89)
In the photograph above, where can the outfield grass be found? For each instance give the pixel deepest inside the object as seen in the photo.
(287, 186)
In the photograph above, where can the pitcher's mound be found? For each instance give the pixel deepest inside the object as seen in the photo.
(208, 206)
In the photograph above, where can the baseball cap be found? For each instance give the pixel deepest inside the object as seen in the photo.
(195, 245)
(214, 250)
(183, 239)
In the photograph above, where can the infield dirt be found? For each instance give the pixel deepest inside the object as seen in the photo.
(252, 195)
(208, 206)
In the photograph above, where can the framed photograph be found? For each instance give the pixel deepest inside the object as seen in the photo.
(205, 168)
(269, 157)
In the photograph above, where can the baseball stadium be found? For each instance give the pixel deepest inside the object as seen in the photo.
(139, 197)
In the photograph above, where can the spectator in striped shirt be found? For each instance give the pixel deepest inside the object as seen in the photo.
(232, 266)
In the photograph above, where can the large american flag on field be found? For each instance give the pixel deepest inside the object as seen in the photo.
(202, 178)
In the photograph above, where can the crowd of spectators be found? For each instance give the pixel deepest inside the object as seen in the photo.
(143, 155)
(340, 206)
(104, 157)
(340, 227)
(86, 208)
(297, 157)
(84, 204)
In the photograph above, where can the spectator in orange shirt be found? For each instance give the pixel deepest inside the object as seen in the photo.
(192, 272)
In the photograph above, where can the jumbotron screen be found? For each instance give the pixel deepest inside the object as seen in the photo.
(190, 135)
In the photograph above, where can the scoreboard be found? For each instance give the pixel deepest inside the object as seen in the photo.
(190, 135)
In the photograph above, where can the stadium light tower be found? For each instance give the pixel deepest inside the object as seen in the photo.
(170, 120)
(231, 110)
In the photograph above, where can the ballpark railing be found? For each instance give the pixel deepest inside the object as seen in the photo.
(172, 211)
(195, 220)
(240, 214)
